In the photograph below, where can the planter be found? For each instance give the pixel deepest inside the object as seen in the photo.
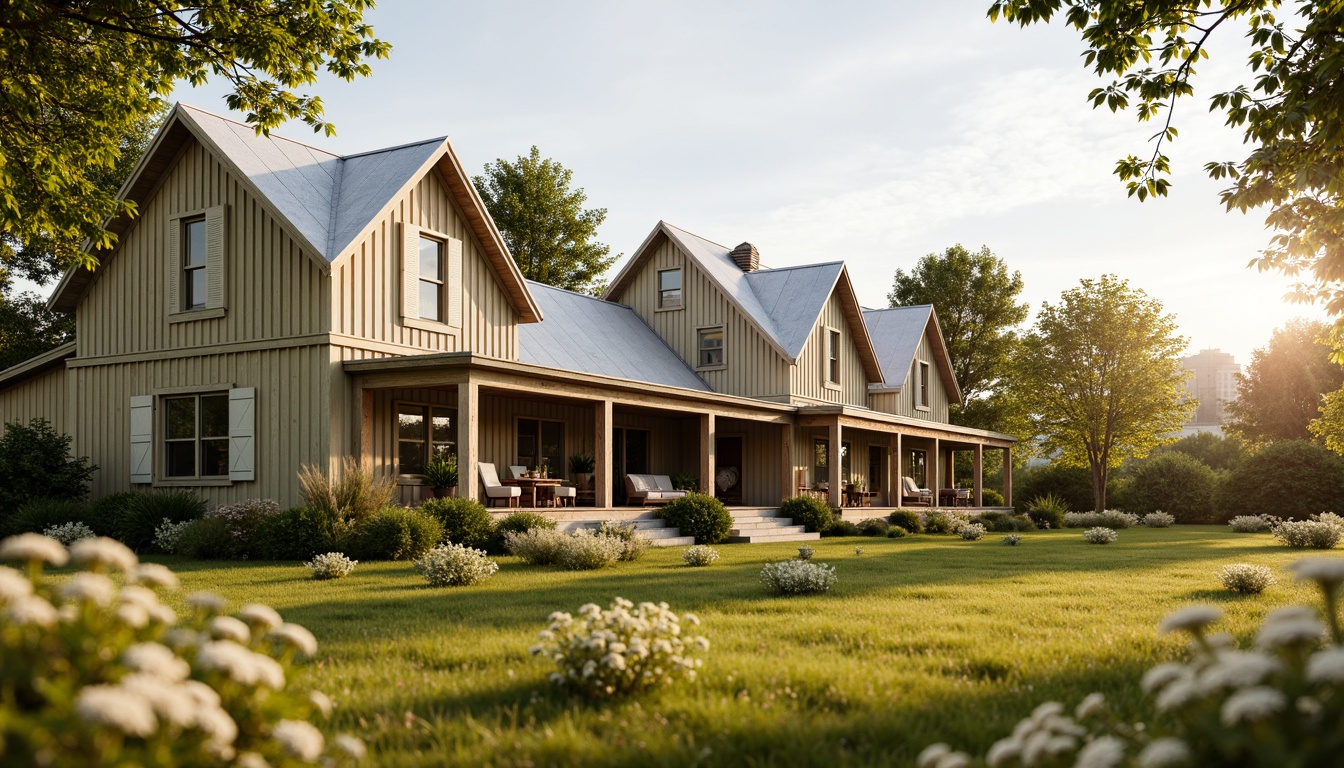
(583, 480)
(440, 493)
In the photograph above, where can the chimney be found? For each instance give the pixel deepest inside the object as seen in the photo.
(747, 258)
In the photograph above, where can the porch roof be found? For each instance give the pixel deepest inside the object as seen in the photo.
(864, 418)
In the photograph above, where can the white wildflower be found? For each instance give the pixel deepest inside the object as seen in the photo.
(268, 671)
(132, 615)
(1190, 619)
(68, 533)
(28, 547)
(207, 602)
(31, 610)
(1092, 705)
(1060, 745)
(1004, 752)
(170, 703)
(162, 614)
(89, 588)
(203, 695)
(259, 615)
(1326, 667)
(1177, 694)
(135, 594)
(229, 657)
(251, 760)
(1251, 704)
(954, 760)
(101, 551)
(117, 707)
(1158, 677)
(1326, 570)
(299, 739)
(1105, 752)
(1288, 632)
(1239, 669)
(1165, 753)
(931, 755)
(155, 575)
(13, 585)
(296, 637)
(229, 628)
(157, 660)
(350, 745)
(322, 701)
(217, 724)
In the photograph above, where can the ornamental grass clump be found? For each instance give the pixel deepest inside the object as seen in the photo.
(633, 543)
(589, 551)
(1100, 535)
(1252, 523)
(1278, 703)
(69, 533)
(454, 565)
(797, 577)
(1309, 534)
(699, 556)
(1012, 540)
(331, 565)
(623, 650)
(1158, 519)
(972, 532)
(1113, 519)
(1246, 579)
(99, 674)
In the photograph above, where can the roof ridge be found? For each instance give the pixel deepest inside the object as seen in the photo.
(692, 234)
(598, 299)
(407, 145)
(267, 135)
(891, 309)
(795, 266)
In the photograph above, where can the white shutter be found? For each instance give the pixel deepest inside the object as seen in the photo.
(216, 234)
(142, 439)
(242, 433)
(454, 282)
(174, 265)
(410, 271)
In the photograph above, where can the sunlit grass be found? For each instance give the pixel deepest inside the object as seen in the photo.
(923, 639)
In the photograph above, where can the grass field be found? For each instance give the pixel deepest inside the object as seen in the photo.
(928, 638)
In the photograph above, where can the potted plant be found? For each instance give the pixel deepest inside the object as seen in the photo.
(685, 481)
(441, 476)
(582, 468)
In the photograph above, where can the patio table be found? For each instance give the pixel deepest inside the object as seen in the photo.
(533, 483)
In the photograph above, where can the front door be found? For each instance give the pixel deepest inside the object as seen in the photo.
(728, 469)
(877, 462)
(629, 456)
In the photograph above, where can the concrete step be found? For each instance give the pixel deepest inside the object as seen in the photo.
(771, 522)
(673, 541)
(773, 531)
(761, 538)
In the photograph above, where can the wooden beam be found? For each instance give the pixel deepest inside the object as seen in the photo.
(707, 449)
(468, 440)
(789, 480)
(937, 466)
(979, 475)
(602, 477)
(837, 483)
(895, 480)
(1008, 476)
(363, 424)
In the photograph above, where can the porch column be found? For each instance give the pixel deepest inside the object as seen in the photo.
(1008, 477)
(788, 483)
(979, 475)
(707, 468)
(602, 455)
(937, 465)
(837, 483)
(361, 443)
(951, 476)
(468, 440)
(895, 483)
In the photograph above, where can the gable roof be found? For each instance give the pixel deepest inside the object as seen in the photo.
(783, 304)
(325, 201)
(589, 335)
(896, 335)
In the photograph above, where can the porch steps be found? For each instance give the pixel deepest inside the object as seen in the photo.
(767, 526)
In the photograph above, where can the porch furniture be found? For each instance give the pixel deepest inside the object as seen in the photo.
(911, 493)
(531, 484)
(859, 498)
(586, 498)
(495, 490)
(644, 490)
(564, 495)
(954, 497)
(516, 471)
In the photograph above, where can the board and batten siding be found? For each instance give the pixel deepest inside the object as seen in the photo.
(367, 283)
(808, 375)
(903, 403)
(293, 408)
(753, 367)
(860, 440)
(762, 446)
(46, 395)
(273, 288)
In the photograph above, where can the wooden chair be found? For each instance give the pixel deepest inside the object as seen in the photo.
(913, 495)
(497, 491)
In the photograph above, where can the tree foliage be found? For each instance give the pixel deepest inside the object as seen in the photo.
(1291, 478)
(1280, 392)
(28, 328)
(1289, 108)
(78, 78)
(544, 223)
(35, 463)
(1216, 452)
(1100, 374)
(976, 300)
(1174, 483)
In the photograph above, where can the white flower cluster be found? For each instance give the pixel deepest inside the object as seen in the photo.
(579, 551)
(115, 670)
(1246, 579)
(69, 533)
(972, 532)
(633, 543)
(1310, 534)
(700, 555)
(952, 521)
(455, 565)
(1158, 519)
(331, 565)
(797, 577)
(1100, 535)
(1252, 523)
(624, 649)
(1012, 540)
(168, 533)
(1111, 518)
(1279, 704)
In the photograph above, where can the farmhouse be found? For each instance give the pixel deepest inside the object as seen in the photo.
(274, 305)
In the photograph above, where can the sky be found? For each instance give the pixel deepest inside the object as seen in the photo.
(872, 132)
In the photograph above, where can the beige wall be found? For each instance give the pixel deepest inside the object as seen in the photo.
(903, 403)
(808, 376)
(762, 459)
(46, 395)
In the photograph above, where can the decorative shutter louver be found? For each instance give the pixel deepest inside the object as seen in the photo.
(174, 265)
(410, 271)
(242, 433)
(216, 234)
(454, 282)
(142, 439)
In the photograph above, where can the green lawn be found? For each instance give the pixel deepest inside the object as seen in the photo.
(928, 638)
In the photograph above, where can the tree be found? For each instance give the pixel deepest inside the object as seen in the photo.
(28, 328)
(1218, 453)
(544, 223)
(976, 301)
(1281, 390)
(78, 78)
(1101, 376)
(1289, 108)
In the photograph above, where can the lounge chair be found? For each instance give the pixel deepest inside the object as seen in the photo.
(912, 494)
(497, 491)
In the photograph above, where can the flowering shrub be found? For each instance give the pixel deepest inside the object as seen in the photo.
(1309, 534)
(945, 521)
(1100, 535)
(700, 555)
(1277, 705)
(634, 544)
(620, 651)
(1252, 523)
(332, 565)
(69, 533)
(1158, 519)
(578, 551)
(99, 674)
(536, 546)
(168, 533)
(1012, 540)
(972, 532)
(797, 577)
(1113, 519)
(1246, 579)
(455, 565)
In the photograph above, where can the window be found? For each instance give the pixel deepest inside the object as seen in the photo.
(424, 432)
(541, 443)
(832, 356)
(916, 468)
(196, 436)
(821, 452)
(431, 279)
(711, 348)
(923, 401)
(669, 289)
(194, 272)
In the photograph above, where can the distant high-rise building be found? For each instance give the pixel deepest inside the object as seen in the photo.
(1214, 385)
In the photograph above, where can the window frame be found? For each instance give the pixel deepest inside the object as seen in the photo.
(664, 304)
(831, 365)
(428, 443)
(558, 468)
(186, 268)
(441, 282)
(922, 382)
(197, 440)
(821, 449)
(701, 350)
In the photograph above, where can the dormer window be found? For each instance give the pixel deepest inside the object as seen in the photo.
(669, 289)
(431, 279)
(194, 270)
(196, 260)
(923, 384)
(832, 356)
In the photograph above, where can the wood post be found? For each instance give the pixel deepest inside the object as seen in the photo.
(602, 479)
(707, 447)
(837, 483)
(468, 439)
(936, 464)
(362, 438)
(979, 475)
(788, 481)
(1008, 476)
(896, 487)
